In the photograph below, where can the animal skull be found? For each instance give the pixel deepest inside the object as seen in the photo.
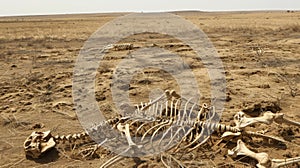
(38, 143)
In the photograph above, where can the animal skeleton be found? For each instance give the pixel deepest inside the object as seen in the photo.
(170, 122)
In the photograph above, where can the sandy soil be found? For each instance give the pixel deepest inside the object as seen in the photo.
(38, 54)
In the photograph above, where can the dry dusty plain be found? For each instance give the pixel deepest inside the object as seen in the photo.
(260, 55)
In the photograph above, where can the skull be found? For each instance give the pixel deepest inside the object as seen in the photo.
(38, 143)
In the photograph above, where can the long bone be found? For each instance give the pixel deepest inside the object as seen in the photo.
(242, 121)
(264, 161)
(228, 135)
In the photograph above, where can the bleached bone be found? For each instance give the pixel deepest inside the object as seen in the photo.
(196, 135)
(242, 121)
(264, 161)
(230, 135)
(241, 149)
(168, 105)
(283, 162)
(38, 143)
(168, 94)
(126, 130)
(234, 135)
(169, 124)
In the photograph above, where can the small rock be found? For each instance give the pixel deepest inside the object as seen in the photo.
(38, 126)
(13, 110)
(264, 86)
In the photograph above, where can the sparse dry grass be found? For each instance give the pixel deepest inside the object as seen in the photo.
(37, 55)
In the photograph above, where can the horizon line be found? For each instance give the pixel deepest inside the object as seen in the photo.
(120, 12)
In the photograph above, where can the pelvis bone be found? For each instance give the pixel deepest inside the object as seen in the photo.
(242, 121)
(38, 143)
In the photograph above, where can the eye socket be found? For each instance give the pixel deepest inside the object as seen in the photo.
(27, 143)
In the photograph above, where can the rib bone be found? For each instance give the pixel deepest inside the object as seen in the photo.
(263, 159)
(242, 121)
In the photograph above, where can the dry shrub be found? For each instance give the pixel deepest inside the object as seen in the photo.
(291, 28)
(237, 29)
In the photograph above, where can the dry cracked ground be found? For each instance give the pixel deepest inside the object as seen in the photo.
(259, 51)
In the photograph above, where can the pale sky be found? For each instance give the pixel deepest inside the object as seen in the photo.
(33, 7)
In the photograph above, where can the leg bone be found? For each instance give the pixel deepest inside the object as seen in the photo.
(241, 149)
(242, 121)
(263, 158)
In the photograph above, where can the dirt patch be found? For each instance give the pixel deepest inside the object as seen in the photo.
(37, 56)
